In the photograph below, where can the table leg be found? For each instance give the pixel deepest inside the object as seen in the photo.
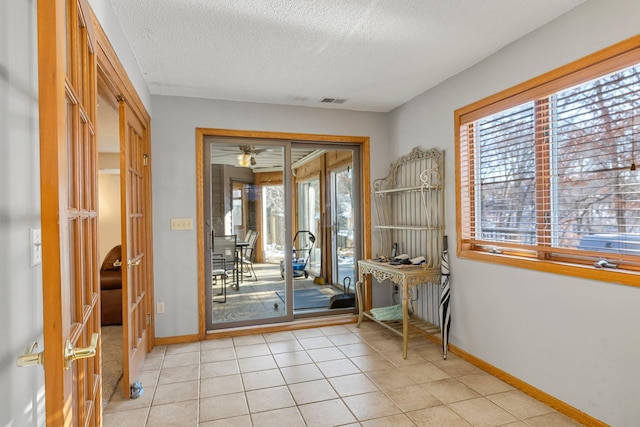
(405, 321)
(359, 296)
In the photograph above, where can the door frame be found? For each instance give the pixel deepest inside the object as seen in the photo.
(365, 192)
(115, 86)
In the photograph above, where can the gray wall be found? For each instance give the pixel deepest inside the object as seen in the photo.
(174, 181)
(21, 389)
(578, 340)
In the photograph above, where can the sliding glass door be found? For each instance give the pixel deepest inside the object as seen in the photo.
(295, 230)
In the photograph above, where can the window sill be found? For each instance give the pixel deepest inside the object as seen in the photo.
(621, 277)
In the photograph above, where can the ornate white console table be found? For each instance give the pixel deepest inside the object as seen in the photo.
(406, 276)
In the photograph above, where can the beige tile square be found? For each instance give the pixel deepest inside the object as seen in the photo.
(218, 386)
(301, 373)
(183, 348)
(373, 362)
(158, 351)
(217, 355)
(248, 340)
(438, 416)
(279, 336)
(520, 404)
(289, 417)
(152, 364)
(357, 349)
(373, 336)
(258, 363)
(268, 399)
(335, 330)
(312, 391)
(399, 420)
(457, 367)
(132, 418)
(371, 405)
(315, 342)
(307, 333)
(119, 403)
(176, 392)
(262, 379)
(412, 398)
(430, 352)
(481, 412)
(344, 339)
(387, 379)
(219, 369)
(424, 372)
(241, 421)
(149, 379)
(388, 346)
(349, 385)
(326, 413)
(554, 419)
(396, 358)
(285, 346)
(485, 384)
(216, 343)
(221, 407)
(335, 368)
(324, 354)
(450, 390)
(291, 359)
(179, 374)
(174, 414)
(181, 359)
(252, 350)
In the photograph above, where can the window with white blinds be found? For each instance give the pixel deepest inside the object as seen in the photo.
(547, 170)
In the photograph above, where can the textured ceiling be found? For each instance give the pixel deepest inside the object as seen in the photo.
(375, 54)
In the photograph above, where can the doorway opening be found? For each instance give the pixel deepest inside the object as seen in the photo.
(109, 232)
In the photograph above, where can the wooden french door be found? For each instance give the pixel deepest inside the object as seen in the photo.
(136, 312)
(68, 177)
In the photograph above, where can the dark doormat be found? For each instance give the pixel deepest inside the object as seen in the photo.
(307, 298)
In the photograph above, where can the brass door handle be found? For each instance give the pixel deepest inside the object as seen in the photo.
(134, 263)
(72, 353)
(29, 358)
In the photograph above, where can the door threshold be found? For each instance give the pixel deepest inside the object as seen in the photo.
(316, 322)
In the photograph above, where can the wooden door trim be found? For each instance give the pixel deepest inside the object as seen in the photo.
(201, 133)
(51, 51)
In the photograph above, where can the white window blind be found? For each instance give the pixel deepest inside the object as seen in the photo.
(555, 176)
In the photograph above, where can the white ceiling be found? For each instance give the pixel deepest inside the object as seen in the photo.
(376, 54)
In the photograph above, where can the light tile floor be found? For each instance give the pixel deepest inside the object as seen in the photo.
(328, 376)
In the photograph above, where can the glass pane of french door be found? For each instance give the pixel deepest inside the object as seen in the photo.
(247, 240)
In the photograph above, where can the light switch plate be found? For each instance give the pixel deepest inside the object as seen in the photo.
(182, 223)
(36, 246)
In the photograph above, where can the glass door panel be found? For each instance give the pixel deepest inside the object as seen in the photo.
(309, 220)
(343, 224)
(248, 203)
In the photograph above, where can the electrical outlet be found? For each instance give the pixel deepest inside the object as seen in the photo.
(160, 307)
(182, 223)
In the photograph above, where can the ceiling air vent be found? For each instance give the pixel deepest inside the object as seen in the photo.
(333, 100)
